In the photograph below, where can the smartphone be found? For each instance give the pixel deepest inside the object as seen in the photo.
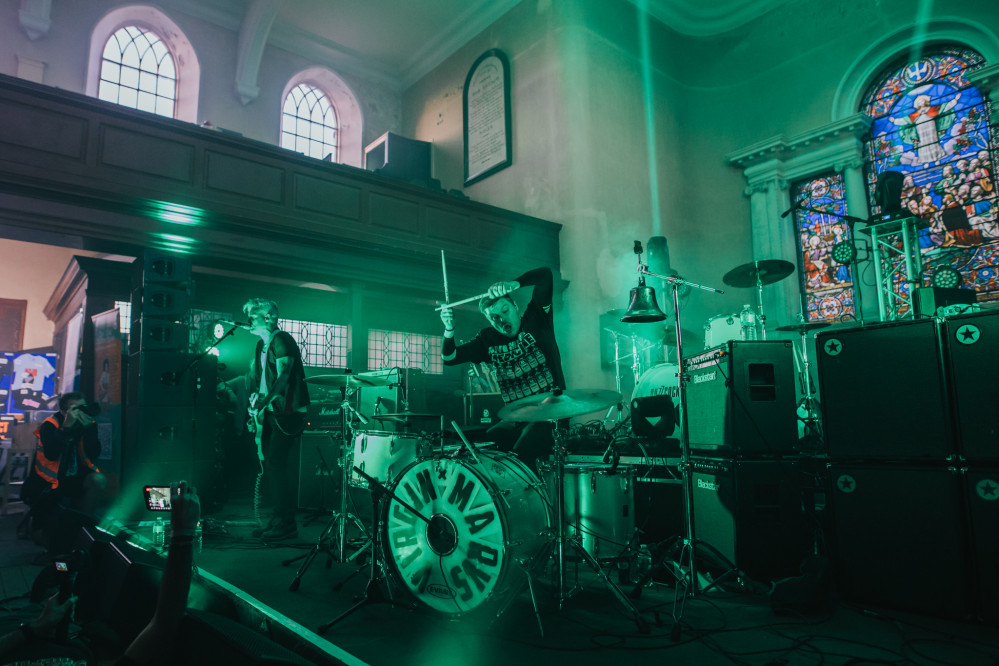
(157, 498)
(62, 567)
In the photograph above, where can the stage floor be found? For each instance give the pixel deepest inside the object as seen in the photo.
(592, 627)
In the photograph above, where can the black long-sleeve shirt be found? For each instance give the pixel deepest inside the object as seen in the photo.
(60, 444)
(528, 363)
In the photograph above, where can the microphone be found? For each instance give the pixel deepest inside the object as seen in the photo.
(791, 209)
(238, 324)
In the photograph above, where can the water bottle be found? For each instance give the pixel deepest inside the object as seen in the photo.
(747, 323)
(159, 532)
(197, 538)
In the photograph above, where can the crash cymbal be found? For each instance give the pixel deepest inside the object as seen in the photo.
(338, 381)
(559, 405)
(804, 327)
(406, 416)
(768, 270)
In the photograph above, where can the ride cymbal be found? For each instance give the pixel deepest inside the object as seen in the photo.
(768, 271)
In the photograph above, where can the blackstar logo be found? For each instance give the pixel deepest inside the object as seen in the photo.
(440, 591)
(707, 485)
(706, 377)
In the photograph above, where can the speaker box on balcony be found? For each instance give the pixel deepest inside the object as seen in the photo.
(741, 400)
(899, 537)
(750, 511)
(882, 392)
(972, 346)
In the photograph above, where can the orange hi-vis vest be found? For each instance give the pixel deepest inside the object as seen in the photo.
(49, 469)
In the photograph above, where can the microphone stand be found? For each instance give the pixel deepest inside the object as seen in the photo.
(687, 579)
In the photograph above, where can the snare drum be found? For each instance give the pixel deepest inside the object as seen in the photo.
(599, 505)
(721, 329)
(488, 522)
(382, 455)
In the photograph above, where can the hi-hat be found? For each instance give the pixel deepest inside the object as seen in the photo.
(767, 271)
(559, 405)
(339, 381)
(803, 327)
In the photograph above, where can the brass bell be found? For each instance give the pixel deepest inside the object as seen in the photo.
(643, 307)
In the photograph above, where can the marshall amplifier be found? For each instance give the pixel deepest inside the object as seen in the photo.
(741, 400)
(323, 417)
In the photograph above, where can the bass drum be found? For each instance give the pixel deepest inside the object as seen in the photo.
(661, 380)
(487, 519)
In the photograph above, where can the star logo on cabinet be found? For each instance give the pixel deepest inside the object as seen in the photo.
(988, 490)
(832, 347)
(968, 334)
(846, 483)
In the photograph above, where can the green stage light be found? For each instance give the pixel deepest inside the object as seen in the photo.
(947, 277)
(844, 253)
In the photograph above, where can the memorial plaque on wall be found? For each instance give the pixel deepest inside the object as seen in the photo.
(486, 107)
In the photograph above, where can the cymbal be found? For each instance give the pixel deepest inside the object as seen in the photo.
(405, 416)
(803, 327)
(559, 405)
(338, 381)
(768, 270)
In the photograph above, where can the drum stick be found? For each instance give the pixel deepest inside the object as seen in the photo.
(468, 445)
(447, 296)
(462, 302)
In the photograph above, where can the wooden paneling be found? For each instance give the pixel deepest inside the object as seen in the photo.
(147, 154)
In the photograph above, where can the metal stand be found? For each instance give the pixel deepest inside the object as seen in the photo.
(812, 419)
(896, 266)
(376, 574)
(559, 543)
(685, 574)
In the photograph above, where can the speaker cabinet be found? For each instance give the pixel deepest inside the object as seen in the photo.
(750, 511)
(168, 378)
(982, 487)
(319, 470)
(972, 345)
(899, 537)
(741, 400)
(882, 392)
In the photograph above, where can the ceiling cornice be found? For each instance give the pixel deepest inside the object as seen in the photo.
(705, 19)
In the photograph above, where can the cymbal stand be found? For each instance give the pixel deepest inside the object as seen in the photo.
(812, 420)
(617, 372)
(338, 523)
(559, 541)
(686, 575)
(759, 304)
(376, 574)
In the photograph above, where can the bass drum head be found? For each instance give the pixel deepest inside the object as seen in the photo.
(484, 518)
(661, 380)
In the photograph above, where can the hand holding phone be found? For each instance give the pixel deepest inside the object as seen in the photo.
(157, 498)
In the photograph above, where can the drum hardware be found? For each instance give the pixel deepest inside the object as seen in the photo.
(756, 274)
(376, 571)
(812, 418)
(338, 522)
(685, 571)
(552, 407)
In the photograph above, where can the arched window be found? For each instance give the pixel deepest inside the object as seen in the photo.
(826, 283)
(140, 40)
(137, 71)
(309, 123)
(932, 125)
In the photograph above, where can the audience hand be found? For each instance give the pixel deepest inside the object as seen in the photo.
(185, 509)
(53, 613)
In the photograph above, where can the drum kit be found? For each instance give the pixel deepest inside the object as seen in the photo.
(463, 529)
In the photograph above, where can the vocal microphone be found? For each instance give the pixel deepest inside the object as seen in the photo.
(791, 209)
(238, 324)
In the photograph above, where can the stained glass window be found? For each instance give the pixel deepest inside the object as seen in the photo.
(827, 284)
(138, 71)
(932, 125)
(309, 124)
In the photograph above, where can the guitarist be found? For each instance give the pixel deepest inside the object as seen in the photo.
(277, 412)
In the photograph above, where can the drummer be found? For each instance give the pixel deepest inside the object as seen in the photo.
(522, 349)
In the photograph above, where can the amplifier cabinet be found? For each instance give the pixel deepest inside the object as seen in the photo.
(319, 470)
(899, 537)
(982, 490)
(741, 400)
(972, 347)
(882, 391)
(751, 512)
